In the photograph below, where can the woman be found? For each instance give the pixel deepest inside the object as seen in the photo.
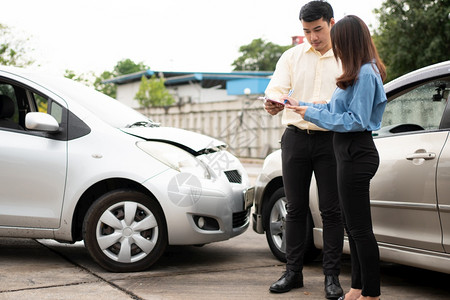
(354, 111)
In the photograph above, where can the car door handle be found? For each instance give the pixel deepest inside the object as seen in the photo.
(423, 155)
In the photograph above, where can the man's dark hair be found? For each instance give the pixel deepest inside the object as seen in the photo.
(315, 10)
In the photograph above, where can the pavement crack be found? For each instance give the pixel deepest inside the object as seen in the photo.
(45, 287)
(189, 272)
(129, 293)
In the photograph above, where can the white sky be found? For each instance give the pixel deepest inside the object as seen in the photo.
(167, 35)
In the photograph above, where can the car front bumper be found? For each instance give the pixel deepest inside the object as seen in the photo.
(201, 211)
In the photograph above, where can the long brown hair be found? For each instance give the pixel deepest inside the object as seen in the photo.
(353, 45)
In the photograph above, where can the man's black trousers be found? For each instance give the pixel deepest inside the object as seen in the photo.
(304, 152)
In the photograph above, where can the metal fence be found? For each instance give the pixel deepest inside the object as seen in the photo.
(243, 124)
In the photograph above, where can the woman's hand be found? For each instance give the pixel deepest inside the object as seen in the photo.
(291, 103)
(289, 100)
(301, 110)
(320, 102)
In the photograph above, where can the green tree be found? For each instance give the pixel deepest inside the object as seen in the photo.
(109, 89)
(152, 92)
(412, 34)
(13, 51)
(123, 67)
(259, 55)
(80, 78)
(127, 66)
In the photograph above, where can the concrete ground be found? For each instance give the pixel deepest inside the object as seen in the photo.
(240, 268)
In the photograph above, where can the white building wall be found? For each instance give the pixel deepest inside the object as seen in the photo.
(126, 93)
(214, 95)
(189, 93)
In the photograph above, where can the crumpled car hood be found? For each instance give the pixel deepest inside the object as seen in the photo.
(195, 142)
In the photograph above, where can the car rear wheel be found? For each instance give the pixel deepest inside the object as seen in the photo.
(274, 224)
(125, 231)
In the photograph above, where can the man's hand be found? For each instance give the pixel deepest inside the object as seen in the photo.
(273, 108)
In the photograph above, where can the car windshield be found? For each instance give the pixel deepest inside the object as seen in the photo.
(104, 107)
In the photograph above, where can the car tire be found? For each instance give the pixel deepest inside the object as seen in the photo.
(125, 231)
(274, 224)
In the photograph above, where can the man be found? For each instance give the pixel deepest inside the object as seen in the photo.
(309, 71)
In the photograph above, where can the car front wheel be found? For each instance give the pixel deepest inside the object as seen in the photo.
(275, 227)
(125, 231)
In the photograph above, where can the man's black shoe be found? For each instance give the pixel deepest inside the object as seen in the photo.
(333, 288)
(290, 280)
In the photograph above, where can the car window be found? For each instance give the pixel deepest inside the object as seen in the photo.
(102, 106)
(27, 100)
(8, 90)
(42, 105)
(56, 111)
(420, 108)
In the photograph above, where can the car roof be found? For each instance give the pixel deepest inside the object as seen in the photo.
(423, 74)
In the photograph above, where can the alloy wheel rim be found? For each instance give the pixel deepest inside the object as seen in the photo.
(277, 223)
(127, 232)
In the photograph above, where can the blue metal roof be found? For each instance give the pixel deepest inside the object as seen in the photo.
(181, 77)
(235, 81)
(256, 86)
(129, 77)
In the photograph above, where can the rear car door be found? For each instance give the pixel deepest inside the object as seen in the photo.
(32, 164)
(403, 192)
(443, 194)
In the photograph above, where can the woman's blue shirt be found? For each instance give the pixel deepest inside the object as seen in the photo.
(359, 107)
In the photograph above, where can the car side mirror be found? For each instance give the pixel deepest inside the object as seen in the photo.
(41, 122)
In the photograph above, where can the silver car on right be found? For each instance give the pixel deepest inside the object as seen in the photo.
(410, 194)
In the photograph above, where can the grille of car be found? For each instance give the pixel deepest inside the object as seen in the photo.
(241, 218)
(233, 176)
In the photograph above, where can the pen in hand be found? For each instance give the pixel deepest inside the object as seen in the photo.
(289, 94)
